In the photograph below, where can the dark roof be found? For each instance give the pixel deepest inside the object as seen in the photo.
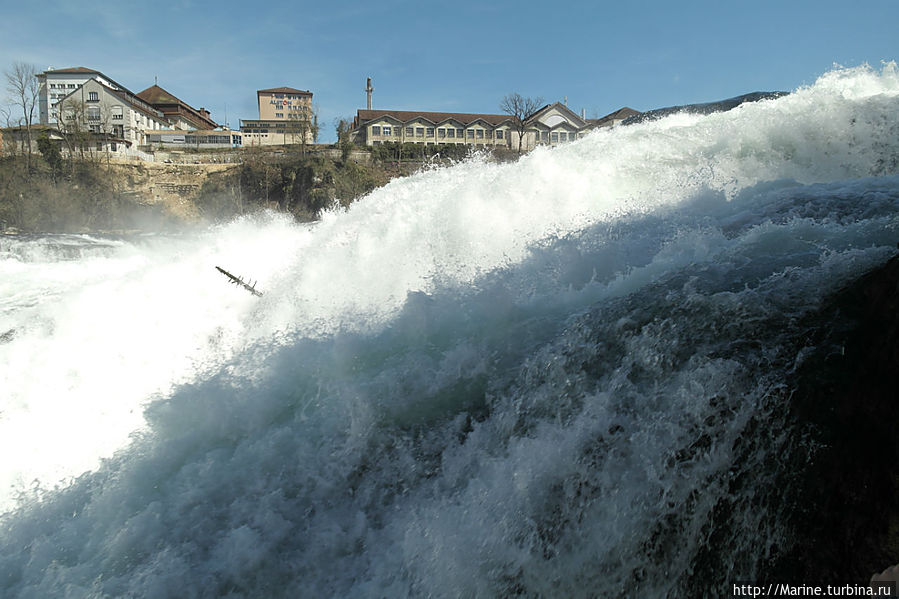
(404, 116)
(284, 90)
(81, 70)
(168, 104)
(558, 105)
(157, 95)
(86, 71)
(620, 114)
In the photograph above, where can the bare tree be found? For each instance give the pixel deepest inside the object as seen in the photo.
(71, 123)
(22, 83)
(304, 125)
(520, 108)
(6, 118)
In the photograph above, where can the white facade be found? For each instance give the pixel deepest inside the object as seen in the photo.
(552, 125)
(116, 116)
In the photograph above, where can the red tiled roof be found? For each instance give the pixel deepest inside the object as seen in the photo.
(157, 95)
(163, 100)
(363, 116)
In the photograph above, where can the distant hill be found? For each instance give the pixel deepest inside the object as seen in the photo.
(707, 108)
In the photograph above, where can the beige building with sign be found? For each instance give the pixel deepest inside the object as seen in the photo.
(285, 118)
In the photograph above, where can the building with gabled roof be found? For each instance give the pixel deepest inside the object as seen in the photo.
(55, 84)
(108, 119)
(179, 114)
(615, 118)
(551, 124)
(372, 127)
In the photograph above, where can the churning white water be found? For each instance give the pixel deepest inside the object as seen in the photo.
(537, 378)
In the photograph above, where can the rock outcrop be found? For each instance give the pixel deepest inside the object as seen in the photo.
(843, 508)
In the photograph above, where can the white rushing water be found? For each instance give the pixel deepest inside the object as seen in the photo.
(537, 378)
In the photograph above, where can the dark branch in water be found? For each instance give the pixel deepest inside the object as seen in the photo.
(240, 282)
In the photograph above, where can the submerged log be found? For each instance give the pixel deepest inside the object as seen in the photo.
(240, 282)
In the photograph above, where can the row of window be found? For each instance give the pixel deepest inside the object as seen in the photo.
(193, 139)
(451, 133)
(555, 136)
(63, 86)
(425, 143)
(280, 115)
(442, 132)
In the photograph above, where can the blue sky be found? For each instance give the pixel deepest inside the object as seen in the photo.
(460, 56)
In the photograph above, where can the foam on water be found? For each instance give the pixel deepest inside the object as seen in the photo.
(537, 378)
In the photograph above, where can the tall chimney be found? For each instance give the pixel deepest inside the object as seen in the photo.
(368, 90)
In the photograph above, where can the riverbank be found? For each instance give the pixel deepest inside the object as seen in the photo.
(81, 196)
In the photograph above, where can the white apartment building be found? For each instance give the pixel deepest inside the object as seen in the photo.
(56, 84)
(110, 120)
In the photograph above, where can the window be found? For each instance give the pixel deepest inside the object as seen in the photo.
(409, 132)
(386, 130)
(93, 97)
(93, 113)
(70, 86)
(460, 132)
(117, 114)
(376, 130)
(419, 132)
(471, 133)
(545, 136)
(499, 134)
(99, 146)
(113, 146)
(451, 133)
(563, 136)
(430, 132)
(555, 137)
(441, 133)
(479, 133)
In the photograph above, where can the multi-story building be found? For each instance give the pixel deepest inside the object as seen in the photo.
(551, 125)
(372, 127)
(56, 84)
(285, 117)
(113, 120)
